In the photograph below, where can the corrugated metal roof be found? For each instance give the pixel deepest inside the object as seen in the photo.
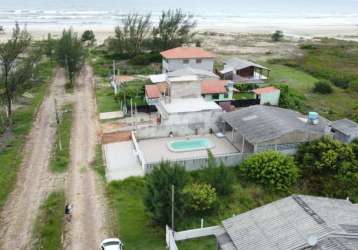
(345, 126)
(288, 224)
(237, 64)
(260, 123)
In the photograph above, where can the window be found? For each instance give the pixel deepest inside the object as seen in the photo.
(199, 60)
(215, 96)
(226, 95)
(186, 61)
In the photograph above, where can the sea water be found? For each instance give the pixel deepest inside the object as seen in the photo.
(208, 13)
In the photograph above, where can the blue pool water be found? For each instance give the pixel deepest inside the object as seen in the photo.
(190, 145)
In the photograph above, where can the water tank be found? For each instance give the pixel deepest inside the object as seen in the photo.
(313, 118)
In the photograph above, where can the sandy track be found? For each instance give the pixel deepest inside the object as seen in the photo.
(85, 189)
(34, 180)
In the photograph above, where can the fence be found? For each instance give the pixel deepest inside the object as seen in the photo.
(192, 164)
(138, 151)
(144, 108)
(169, 238)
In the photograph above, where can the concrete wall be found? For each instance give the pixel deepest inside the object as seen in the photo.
(175, 64)
(185, 89)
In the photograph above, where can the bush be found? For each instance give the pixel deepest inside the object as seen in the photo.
(145, 59)
(322, 87)
(200, 197)
(157, 198)
(219, 177)
(272, 169)
(290, 99)
(340, 81)
(277, 36)
(325, 156)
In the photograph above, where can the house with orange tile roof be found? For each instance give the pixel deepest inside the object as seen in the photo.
(187, 57)
(268, 95)
(217, 90)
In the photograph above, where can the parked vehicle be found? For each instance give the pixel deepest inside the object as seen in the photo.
(112, 244)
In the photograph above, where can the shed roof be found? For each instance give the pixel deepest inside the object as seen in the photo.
(152, 91)
(186, 53)
(260, 123)
(214, 86)
(237, 64)
(289, 223)
(158, 78)
(265, 90)
(345, 126)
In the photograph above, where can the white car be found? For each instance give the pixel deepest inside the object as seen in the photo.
(112, 244)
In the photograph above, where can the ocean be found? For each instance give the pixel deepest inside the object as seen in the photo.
(208, 13)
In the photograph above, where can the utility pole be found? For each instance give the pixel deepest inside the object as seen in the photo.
(58, 126)
(173, 207)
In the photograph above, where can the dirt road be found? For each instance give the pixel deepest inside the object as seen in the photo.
(85, 189)
(34, 180)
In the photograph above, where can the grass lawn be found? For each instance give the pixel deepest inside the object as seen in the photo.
(61, 155)
(105, 100)
(49, 224)
(133, 223)
(23, 117)
(341, 103)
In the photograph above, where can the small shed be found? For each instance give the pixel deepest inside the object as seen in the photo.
(268, 95)
(345, 130)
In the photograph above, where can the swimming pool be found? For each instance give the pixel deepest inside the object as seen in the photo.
(190, 145)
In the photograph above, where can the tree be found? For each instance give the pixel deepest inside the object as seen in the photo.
(12, 53)
(218, 177)
(272, 169)
(325, 156)
(70, 53)
(88, 36)
(158, 192)
(200, 197)
(277, 36)
(174, 29)
(322, 87)
(130, 37)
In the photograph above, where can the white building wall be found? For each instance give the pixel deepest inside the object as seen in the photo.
(270, 98)
(176, 64)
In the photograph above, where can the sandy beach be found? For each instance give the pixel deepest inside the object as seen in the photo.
(348, 32)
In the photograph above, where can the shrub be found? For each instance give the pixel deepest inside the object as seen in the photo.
(325, 156)
(272, 169)
(145, 59)
(322, 87)
(157, 198)
(88, 36)
(277, 36)
(340, 81)
(219, 177)
(200, 197)
(290, 99)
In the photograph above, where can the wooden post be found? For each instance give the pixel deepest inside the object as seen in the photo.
(173, 208)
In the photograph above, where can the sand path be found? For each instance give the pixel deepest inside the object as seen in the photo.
(85, 189)
(34, 180)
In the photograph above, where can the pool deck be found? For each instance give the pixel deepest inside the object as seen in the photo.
(155, 150)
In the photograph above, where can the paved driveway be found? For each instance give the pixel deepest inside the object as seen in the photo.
(121, 161)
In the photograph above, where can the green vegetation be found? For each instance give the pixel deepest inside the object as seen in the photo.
(61, 153)
(133, 223)
(106, 100)
(330, 167)
(22, 120)
(70, 54)
(322, 87)
(277, 36)
(159, 192)
(88, 36)
(205, 243)
(49, 224)
(329, 59)
(200, 198)
(98, 164)
(133, 90)
(272, 169)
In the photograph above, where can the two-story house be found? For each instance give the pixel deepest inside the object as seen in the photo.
(187, 57)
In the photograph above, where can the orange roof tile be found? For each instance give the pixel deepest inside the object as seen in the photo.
(186, 53)
(265, 90)
(152, 91)
(214, 86)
